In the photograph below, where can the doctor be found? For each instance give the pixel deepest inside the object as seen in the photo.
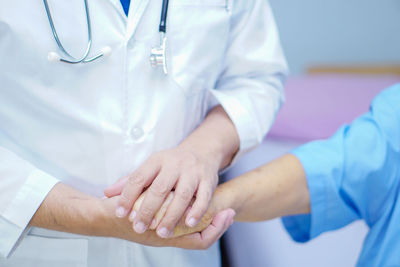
(67, 131)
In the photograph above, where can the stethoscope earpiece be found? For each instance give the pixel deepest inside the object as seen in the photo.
(106, 51)
(53, 57)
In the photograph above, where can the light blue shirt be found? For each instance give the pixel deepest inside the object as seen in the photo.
(356, 175)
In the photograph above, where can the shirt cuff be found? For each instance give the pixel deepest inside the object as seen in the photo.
(303, 228)
(15, 219)
(245, 125)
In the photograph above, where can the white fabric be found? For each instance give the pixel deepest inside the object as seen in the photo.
(89, 124)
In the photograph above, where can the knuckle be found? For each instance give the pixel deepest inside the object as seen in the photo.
(201, 209)
(191, 160)
(171, 221)
(146, 213)
(179, 163)
(185, 194)
(136, 180)
(207, 194)
(187, 160)
(124, 200)
(158, 190)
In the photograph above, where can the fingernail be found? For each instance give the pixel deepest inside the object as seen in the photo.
(192, 222)
(120, 212)
(163, 232)
(132, 216)
(140, 228)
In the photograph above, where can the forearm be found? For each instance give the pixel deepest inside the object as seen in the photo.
(68, 210)
(276, 189)
(216, 138)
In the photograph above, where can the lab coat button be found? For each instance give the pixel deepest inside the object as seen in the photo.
(137, 133)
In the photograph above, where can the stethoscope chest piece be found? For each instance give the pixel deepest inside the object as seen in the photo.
(158, 57)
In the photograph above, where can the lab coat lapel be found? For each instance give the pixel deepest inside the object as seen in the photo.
(136, 11)
(118, 7)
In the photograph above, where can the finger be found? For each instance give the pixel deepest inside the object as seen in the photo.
(218, 228)
(116, 188)
(182, 229)
(183, 196)
(200, 206)
(161, 212)
(221, 222)
(136, 206)
(134, 186)
(155, 196)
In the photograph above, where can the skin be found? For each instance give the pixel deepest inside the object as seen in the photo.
(68, 210)
(181, 229)
(276, 189)
(273, 190)
(190, 170)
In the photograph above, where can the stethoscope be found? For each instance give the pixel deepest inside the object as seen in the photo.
(157, 55)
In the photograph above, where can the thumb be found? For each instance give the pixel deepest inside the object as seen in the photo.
(116, 188)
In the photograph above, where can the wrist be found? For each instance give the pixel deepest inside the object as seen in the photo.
(105, 222)
(207, 152)
(224, 198)
(216, 138)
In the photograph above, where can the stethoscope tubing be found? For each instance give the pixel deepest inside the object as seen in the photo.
(159, 54)
(163, 20)
(72, 60)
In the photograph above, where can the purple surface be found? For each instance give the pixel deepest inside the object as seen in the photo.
(316, 106)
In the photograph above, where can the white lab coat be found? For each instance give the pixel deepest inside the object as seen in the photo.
(89, 124)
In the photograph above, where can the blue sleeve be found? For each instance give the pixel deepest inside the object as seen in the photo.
(354, 174)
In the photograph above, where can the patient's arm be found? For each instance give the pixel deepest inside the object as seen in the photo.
(273, 190)
(276, 189)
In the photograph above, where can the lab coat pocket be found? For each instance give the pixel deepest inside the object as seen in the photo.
(197, 38)
(49, 252)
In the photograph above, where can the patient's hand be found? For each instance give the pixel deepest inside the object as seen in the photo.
(112, 226)
(181, 228)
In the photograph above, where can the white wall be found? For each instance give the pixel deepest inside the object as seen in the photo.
(338, 31)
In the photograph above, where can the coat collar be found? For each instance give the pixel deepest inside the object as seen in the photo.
(136, 11)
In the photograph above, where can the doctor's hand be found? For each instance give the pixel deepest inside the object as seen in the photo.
(188, 173)
(190, 170)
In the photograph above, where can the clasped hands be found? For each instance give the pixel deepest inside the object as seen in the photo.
(171, 193)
